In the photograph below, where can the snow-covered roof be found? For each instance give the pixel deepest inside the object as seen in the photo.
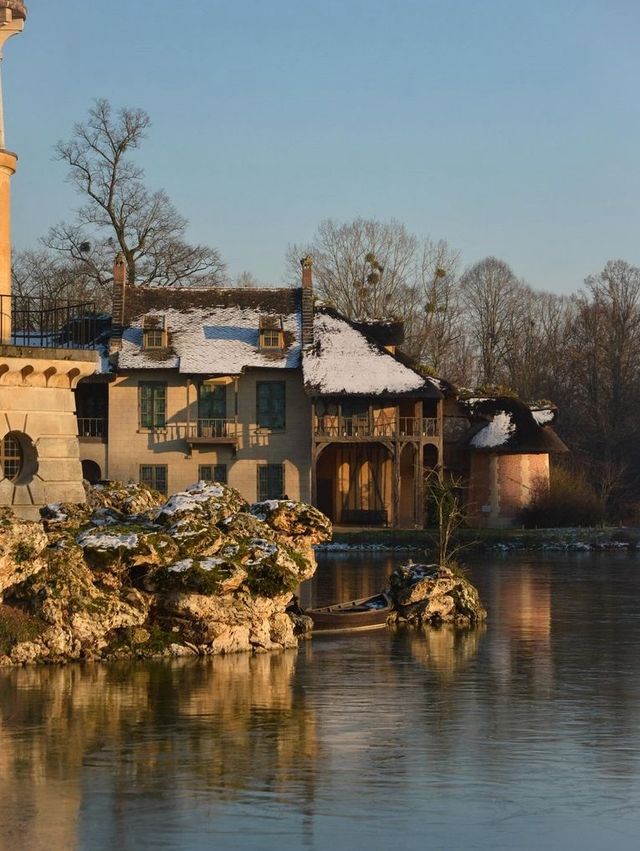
(505, 424)
(212, 331)
(342, 359)
(496, 433)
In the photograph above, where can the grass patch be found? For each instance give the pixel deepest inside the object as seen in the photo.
(17, 625)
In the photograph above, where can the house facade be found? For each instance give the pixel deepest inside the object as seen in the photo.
(278, 396)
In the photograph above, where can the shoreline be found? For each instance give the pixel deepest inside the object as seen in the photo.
(573, 539)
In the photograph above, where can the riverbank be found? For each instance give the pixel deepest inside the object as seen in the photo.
(487, 540)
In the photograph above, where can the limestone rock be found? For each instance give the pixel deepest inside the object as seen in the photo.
(21, 546)
(132, 573)
(429, 594)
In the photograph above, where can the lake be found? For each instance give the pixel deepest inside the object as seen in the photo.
(522, 734)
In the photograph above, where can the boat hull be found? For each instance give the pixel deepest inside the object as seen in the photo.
(354, 616)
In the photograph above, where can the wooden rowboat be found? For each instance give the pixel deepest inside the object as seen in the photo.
(355, 615)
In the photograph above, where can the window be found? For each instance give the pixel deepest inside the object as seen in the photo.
(270, 404)
(11, 457)
(154, 476)
(271, 335)
(153, 338)
(213, 473)
(154, 332)
(270, 339)
(153, 404)
(270, 482)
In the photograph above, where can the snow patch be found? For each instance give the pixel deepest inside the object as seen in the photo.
(103, 541)
(495, 433)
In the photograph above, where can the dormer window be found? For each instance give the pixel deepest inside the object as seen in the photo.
(154, 332)
(271, 332)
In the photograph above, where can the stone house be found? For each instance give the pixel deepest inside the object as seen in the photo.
(278, 396)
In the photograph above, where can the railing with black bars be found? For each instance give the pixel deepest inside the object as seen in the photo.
(92, 427)
(45, 323)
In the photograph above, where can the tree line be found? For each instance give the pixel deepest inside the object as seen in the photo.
(479, 327)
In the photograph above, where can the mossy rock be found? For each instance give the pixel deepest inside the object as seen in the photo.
(17, 625)
(196, 537)
(190, 575)
(204, 501)
(294, 520)
(128, 499)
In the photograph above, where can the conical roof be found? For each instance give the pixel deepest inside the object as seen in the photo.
(16, 6)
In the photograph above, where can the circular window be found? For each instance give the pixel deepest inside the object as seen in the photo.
(11, 457)
(18, 458)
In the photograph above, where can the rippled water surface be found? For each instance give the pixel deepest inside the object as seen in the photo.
(524, 734)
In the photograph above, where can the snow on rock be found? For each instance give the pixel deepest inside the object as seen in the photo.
(342, 360)
(495, 433)
(107, 541)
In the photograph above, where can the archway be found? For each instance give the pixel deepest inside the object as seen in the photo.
(91, 472)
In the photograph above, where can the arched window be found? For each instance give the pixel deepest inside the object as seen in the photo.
(11, 457)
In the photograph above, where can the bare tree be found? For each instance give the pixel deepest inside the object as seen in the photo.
(435, 335)
(120, 213)
(361, 267)
(46, 276)
(491, 294)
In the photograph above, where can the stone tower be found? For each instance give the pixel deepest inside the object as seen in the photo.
(13, 14)
(41, 362)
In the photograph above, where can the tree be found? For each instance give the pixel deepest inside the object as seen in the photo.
(491, 297)
(443, 495)
(120, 213)
(51, 279)
(434, 332)
(361, 267)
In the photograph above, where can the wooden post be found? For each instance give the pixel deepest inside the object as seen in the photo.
(314, 458)
(397, 447)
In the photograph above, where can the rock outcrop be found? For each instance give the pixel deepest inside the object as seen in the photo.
(132, 573)
(428, 594)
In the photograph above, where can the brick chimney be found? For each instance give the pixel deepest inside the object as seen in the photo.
(307, 300)
(119, 290)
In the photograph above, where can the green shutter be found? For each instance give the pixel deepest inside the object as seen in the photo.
(271, 404)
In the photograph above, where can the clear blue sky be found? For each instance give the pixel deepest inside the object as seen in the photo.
(507, 127)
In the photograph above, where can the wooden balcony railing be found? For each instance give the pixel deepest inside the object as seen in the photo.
(364, 427)
(95, 427)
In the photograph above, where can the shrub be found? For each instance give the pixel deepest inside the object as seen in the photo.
(566, 500)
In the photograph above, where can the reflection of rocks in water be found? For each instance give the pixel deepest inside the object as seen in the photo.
(167, 727)
(445, 650)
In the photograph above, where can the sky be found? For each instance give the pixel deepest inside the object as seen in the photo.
(508, 128)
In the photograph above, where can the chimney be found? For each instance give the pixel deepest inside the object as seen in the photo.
(119, 288)
(307, 300)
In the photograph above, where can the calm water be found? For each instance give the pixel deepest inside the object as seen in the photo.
(522, 735)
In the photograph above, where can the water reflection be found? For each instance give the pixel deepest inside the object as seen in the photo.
(521, 734)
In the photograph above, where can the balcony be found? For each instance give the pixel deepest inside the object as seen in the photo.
(365, 427)
(212, 431)
(92, 428)
(47, 323)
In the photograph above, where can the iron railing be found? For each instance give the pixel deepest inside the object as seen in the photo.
(92, 427)
(378, 425)
(45, 323)
(216, 429)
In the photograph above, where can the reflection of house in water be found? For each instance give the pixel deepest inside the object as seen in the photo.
(522, 608)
